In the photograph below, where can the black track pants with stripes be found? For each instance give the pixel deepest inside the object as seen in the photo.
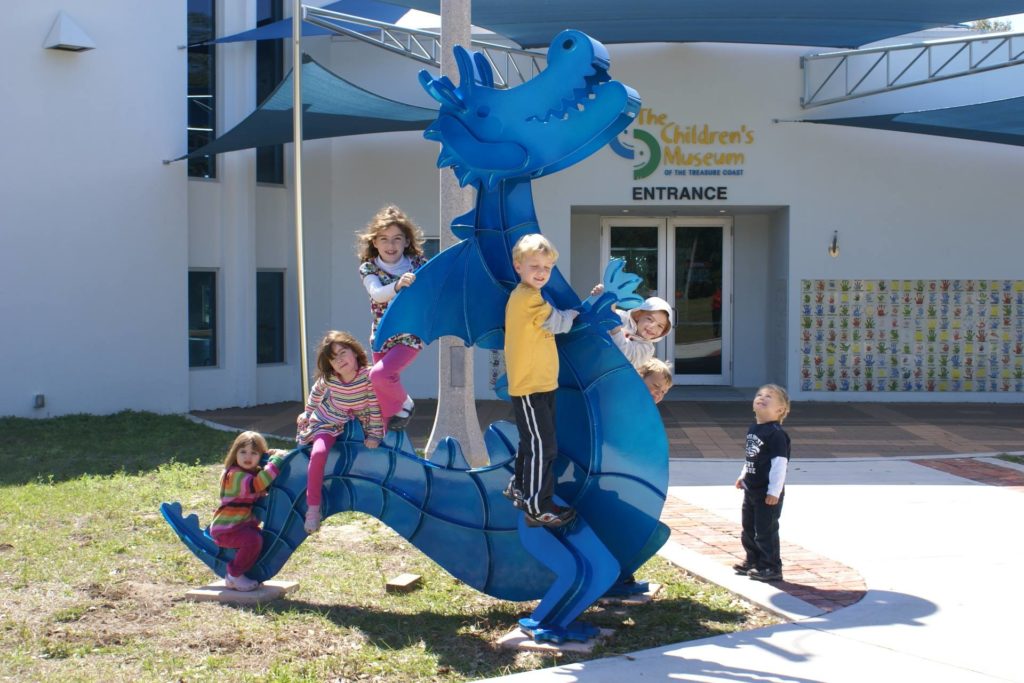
(535, 418)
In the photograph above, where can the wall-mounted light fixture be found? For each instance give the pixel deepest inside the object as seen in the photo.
(67, 35)
(833, 246)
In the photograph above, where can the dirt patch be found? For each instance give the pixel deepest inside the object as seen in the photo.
(349, 535)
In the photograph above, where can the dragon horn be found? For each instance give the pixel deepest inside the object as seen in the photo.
(483, 68)
(442, 90)
(467, 74)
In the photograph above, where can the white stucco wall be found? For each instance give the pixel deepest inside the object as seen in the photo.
(98, 235)
(93, 232)
(901, 203)
(905, 206)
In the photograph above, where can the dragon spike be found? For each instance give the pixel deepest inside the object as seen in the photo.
(445, 158)
(442, 90)
(483, 68)
(501, 441)
(467, 72)
(466, 176)
(448, 455)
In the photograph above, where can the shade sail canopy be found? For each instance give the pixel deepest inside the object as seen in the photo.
(826, 23)
(999, 121)
(333, 108)
(369, 9)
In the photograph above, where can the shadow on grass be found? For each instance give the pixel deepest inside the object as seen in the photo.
(466, 644)
(62, 448)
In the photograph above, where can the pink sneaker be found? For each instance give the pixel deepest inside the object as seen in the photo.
(240, 583)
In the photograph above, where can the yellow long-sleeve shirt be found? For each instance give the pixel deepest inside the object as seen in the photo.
(531, 358)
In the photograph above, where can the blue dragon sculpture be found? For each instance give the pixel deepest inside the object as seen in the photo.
(613, 452)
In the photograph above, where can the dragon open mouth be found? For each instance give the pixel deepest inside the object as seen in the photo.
(574, 100)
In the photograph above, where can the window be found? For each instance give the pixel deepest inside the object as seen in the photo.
(202, 318)
(269, 317)
(431, 246)
(269, 72)
(202, 86)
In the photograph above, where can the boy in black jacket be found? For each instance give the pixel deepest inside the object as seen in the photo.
(763, 481)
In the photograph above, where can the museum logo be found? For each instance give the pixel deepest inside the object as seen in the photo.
(655, 142)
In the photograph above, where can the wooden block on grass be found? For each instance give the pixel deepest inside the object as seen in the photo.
(217, 592)
(517, 639)
(403, 583)
(635, 599)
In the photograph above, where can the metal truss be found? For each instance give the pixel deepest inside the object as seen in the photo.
(511, 66)
(839, 76)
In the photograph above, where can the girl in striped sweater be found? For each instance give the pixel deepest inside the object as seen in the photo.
(341, 392)
(242, 483)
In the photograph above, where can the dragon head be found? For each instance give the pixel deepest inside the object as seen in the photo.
(565, 114)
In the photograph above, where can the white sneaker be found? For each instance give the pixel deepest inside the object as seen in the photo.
(240, 583)
(312, 524)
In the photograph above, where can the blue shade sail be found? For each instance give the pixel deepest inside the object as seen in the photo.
(826, 23)
(333, 108)
(1000, 121)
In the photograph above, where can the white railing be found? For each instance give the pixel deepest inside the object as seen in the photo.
(839, 76)
(511, 66)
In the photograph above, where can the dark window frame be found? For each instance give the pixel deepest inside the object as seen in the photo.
(201, 26)
(269, 74)
(203, 310)
(431, 246)
(270, 351)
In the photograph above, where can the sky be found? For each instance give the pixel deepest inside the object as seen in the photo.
(1017, 21)
(418, 19)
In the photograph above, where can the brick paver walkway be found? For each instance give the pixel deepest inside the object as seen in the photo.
(813, 578)
(976, 470)
(716, 429)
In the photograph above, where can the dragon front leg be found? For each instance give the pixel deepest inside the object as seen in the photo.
(584, 570)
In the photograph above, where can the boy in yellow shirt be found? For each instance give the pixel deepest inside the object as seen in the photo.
(531, 360)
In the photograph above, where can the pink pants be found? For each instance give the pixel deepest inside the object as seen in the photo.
(315, 474)
(385, 378)
(247, 540)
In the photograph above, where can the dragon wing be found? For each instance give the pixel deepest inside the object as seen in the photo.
(454, 294)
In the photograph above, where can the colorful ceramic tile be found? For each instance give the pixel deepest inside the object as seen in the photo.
(912, 335)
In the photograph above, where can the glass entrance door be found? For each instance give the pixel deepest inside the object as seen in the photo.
(686, 261)
(699, 270)
(641, 242)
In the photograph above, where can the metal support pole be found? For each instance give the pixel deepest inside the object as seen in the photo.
(456, 404)
(297, 18)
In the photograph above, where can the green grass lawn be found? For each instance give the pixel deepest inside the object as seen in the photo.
(92, 579)
(1018, 459)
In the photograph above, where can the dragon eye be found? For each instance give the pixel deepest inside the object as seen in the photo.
(483, 112)
(568, 43)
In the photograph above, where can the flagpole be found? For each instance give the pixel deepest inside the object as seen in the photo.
(298, 16)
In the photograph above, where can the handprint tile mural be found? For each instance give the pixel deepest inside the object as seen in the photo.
(912, 335)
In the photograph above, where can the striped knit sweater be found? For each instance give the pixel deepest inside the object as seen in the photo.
(239, 489)
(332, 403)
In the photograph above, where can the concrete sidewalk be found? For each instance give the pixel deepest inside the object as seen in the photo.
(938, 554)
